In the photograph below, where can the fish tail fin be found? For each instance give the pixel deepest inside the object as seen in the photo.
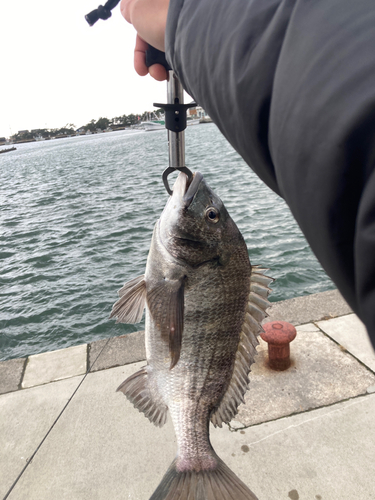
(219, 483)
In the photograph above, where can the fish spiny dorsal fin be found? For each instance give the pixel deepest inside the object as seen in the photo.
(246, 351)
(129, 308)
(136, 389)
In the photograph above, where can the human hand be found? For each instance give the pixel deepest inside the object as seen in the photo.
(149, 18)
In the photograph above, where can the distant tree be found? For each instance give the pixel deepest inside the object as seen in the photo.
(24, 135)
(102, 123)
(91, 126)
(121, 120)
(132, 119)
(118, 120)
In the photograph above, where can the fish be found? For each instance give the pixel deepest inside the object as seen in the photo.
(204, 305)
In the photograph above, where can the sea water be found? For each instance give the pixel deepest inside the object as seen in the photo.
(76, 220)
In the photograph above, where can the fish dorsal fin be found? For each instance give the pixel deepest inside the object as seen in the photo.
(246, 351)
(136, 389)
(129, 308)
(166, 303)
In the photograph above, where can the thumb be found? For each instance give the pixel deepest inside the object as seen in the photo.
(149, 18)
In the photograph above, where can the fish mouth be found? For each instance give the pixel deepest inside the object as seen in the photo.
(187, 240)
(192, 189)
(185, 189)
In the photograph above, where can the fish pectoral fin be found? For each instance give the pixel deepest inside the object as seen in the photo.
(166, 303)
(136, 389)
(129, 308)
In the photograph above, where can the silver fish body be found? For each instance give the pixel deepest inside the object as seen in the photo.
(204, 303)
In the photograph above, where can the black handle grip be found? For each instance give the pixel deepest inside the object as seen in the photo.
(155, 56)
(102, 12)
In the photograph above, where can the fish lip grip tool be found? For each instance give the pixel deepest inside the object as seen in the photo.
(175, 117)
(174, 109)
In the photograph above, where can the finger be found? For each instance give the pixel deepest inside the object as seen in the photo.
(140, 56)
(158, 72)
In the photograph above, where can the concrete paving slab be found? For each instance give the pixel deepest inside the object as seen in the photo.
(309, 308)
(102, 448)
(351, 333)
(320, 374)
(55, 365)
(25, 418)
(325, 454)
(11, 374)
(119, 351)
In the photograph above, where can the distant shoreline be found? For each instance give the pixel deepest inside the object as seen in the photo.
(24, 141)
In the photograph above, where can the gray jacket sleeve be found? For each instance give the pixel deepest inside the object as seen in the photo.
(291, 85)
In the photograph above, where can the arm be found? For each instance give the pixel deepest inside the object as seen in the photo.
(291, 85)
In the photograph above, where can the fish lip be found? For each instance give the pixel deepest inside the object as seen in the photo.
(192, 190)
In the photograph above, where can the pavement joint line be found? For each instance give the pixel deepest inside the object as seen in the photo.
(56, 420)
(327, 318)
(88, 348)
(44, 438)
(344, 349)
(23, 373)
(97, 357)
(310, 410)
(308, 420)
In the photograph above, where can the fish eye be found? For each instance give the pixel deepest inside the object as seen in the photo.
(212, 215)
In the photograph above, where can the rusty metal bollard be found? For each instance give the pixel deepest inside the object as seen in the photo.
(278, 335)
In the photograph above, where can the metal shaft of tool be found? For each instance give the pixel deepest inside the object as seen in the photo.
(176, 140)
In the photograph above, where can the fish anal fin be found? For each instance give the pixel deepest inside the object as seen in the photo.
(166, 303)
(136, 388)
(216, 483)
(129, 308)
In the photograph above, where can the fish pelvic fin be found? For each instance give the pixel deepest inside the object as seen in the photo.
(129, 308)
(219, 483)
(246, 351)
(136, 389)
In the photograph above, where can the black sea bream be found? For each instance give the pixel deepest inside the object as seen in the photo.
(204, 304)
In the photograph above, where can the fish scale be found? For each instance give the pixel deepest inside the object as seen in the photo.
(200, 293)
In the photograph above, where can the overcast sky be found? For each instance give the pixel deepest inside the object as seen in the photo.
(56, 69)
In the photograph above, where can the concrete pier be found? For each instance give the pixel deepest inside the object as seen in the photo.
(307, 433)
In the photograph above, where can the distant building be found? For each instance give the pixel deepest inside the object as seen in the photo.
(2, 141)
(22, 132)
(197, 112)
